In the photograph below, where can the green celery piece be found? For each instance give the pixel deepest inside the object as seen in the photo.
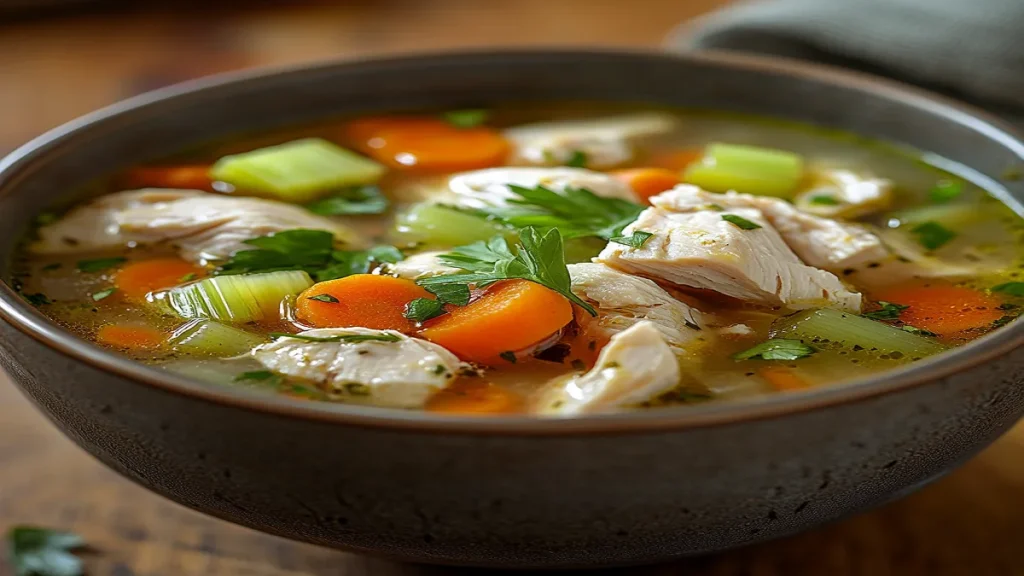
(438, 225)
(747, 169)
(210, 338)
(238, 298)
(831, 328)
(300, 171)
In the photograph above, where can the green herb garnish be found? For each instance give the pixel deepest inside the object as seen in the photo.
(776, 349)
(918, 331)
(1011, 288)
(578, 159)
(309, 250)
(99, 264)
(188, 277)
(824, 200)
(264, 376)
(356, 200)
(469, 118)
(539, 257)
(740, 222)
(324, 298)
(888, 311)
(38, 299)
(423, 309)
(457, 294)
(103, 294)
(43, 552)
(945, 190)
(508, 356)
(635, 240)
(1003, 321)
(932, 235)
(347, 338)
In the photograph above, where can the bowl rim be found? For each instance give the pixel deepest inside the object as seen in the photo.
(26, 319)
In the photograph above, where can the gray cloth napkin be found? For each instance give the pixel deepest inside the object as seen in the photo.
(969, 49)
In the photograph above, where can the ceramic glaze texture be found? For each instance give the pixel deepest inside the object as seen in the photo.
(622, 490)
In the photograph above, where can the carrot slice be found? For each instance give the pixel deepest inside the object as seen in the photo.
(190, 177)
(511, 315)
(647, 182)
(428, 144)
(474, 397)
(782, 379)
(943, 308)
(137, 279)
(131, 337)
(365, 300)
(676, 160)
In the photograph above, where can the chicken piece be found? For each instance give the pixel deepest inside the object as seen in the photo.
(623, 300)
(603, 142)
(845, 194)
(401, 373)
(490, 187)
(421, 265)
(703, 250)
(202, 226)
(637, 365)
(820, 242)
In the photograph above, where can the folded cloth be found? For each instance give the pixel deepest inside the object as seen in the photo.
(972, 50)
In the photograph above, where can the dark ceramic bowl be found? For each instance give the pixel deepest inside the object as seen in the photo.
(513, 492)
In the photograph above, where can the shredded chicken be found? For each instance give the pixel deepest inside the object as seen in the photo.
(845, 194)
(420, 265)
(487, 188)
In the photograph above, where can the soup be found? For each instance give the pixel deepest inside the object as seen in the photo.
(554, 261)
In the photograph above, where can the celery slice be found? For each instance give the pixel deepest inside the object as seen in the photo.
(210, 338)
(238, 298)
(437, 225)
(828, 328)
(747, 169)
(299, 171)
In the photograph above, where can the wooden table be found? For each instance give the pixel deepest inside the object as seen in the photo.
(53, 70)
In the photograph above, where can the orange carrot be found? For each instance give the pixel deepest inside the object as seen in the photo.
(510, 316)
(676, 160)
(138, 279)
(131, 337)
(943, 308)
(647, 182)
(427, 144)
(782, 379)
(365, 300)
(189, 176)
(474, 397)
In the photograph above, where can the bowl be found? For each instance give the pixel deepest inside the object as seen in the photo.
(616, 489)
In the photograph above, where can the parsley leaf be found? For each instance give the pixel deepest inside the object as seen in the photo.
(265, 376)
(355, 200)
(1011, 288)
(539, 258)
(457, 294)
(945, 190)
(740, 222)
(309, 250)
(349, 338)
(776, 349)
(324, 298)
(578, 159)
(918, 331)
(348, 262)
(888, 311)
(43, 552)
(423, 309)
(999, 323)
(636, 240)
(824, 200)
(932, 235)
(38, 299)
(99, 264)
(103, 294)
(469, 118)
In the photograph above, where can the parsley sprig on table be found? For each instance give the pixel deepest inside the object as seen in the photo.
(309, 250)
(538, 257)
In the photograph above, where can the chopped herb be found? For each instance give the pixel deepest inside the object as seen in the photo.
(611, 365)
(578, 159)
(423, 309)
(578, 364)
(932, 235)
(264, 376)
(99, 264)
(469, 118)
(49, 267)
(356, 388)
(508, 357)
(1011, 288)
(348, 338)
(457, 294)
(38, 299)
(691, 325)
(324, 298)
(349, 262)
(1003, 321)
(776, 349)
(945, 190)
(824, 200)
(888, 311)
(557, 353)
(1007, 306)
(715, 207)
(439, 369)
(351, 201)
(103, 294)
(636, 240)
(918, 331)
(539, 258)
(43, 552)
(188, 277)
(740, 222)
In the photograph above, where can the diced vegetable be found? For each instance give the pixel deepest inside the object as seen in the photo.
(298, 171)
(131, 337)
(944, 309)
(207, 337)
(676, 160)
(139, 278)
(238, 298)
(187, 177)
(782, 379)
(474, 397)
(827, 328)
(510, 316)
(647, 182)
(748, 169)
(428, 144)
(437, 225)
(365, 300)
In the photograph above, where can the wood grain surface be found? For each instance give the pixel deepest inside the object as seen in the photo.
(51, 70)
